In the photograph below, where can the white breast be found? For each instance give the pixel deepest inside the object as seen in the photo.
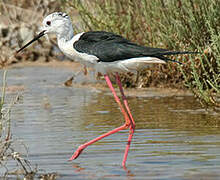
(67, 48)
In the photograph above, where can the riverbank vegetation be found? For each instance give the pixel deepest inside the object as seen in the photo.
(13, 162)
(177, 25)
(8, 144)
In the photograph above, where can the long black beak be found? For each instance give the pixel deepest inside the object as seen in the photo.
(36, 38)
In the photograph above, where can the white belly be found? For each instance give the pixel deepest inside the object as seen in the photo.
(127, 65)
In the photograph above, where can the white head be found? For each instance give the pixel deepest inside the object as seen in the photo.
(58, 23)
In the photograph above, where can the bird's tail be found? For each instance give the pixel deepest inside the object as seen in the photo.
(177, 52)
(163, 54)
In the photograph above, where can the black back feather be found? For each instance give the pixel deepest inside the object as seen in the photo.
(109, 47)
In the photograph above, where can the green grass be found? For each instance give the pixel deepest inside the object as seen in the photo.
(190, 25)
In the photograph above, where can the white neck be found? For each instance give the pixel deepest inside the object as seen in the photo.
(65, 34)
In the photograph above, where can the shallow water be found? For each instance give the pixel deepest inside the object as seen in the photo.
(175, 137)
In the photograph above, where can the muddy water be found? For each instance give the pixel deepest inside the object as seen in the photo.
(175, 137)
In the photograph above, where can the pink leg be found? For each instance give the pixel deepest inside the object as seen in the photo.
(132, 123)
(82, 147)
(124, 99)
(125, 126)
(124, 112)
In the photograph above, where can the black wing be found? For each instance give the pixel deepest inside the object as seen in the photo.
(109, 47)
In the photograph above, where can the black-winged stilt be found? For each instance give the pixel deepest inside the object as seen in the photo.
(107, 53)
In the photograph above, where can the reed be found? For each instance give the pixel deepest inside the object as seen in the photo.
(8, 145)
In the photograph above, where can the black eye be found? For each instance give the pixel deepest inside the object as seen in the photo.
(48, 23)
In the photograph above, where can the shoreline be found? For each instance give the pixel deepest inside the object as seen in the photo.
(130, 92)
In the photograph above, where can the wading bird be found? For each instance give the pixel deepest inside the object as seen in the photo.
(107, 53)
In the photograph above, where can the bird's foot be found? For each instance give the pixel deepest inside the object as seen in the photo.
(77, 153)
